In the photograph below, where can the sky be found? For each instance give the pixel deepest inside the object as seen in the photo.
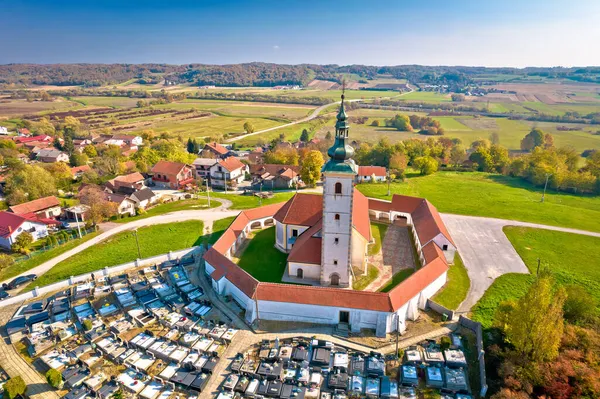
(513, 33)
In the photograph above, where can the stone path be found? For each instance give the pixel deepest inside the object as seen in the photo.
(15, 365)
(396, 254)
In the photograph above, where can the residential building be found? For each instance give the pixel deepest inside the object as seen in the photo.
(47, 207)
(125, 205)
(126, 184)
(274, 176)
(256, 155)
(13, 225)
(23, 132)
(202, 167)
(214, 150)
(79, 171)
(230, 171)
(144, 198)
(122, 140)
(371, 173)
(3, 130)
(175, 175)
(51, 155)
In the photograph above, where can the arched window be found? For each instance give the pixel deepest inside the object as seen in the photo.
(335, 279)
(338, 188)
(300, 273)
(337, 216)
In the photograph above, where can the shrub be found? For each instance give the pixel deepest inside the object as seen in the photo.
(54, 378)
(14, 387)
(445, 343)
(23, 243)
(87, 325)
(580, 306)
(6, 261)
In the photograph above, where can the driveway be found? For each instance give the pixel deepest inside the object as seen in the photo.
(486, 251)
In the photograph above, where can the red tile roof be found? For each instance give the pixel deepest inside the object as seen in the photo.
(405, 203)
(302, 210)
(288, 171)
(37, 205)
(360, 215)
(235, 274)
(9, 222)
(168, 167)
(307, 249)
(379, 205)
(372, 170)
(231, 163)
(428, 223)
(320, 296)
(130, 178)
(77, 169)
(216, 147)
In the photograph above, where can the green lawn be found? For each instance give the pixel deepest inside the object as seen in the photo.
(261, 259)
(249, 201)
(218, 228)
(457, 286)
(363, 281)
(36, 260)
(482, 194)
(568, 256)
(397, 279)
(121, 248)
(378, 232)
(184, 205)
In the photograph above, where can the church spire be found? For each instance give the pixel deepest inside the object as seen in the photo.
(341, 151)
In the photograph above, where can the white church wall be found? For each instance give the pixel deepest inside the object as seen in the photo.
(242, 299)
(310, 271)
(280, 235)
(359, 247)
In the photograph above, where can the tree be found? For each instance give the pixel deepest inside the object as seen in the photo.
(54, 378)
(426, 165)
(29, 183)
(248, 127)
(534, 324)
(190, 146)
(580, 306)
(304, 136)
(328, 136)
(457, 97)
(61, 172)
(100, 207)
(68, 145)
(14, 387)
(282, 156)
(375, 123)
(109, 161)
(45, 127)
(6, 261)
(398, 163)
(22, 243)
(548, 140)
(71, 126)
(144, 158)
(87, 324)
(141, 104)
(482, 158)
(533, 139)
(90, 151)
(494, 138)
(77, 159)
(401, 123)
(310, 170)
(457, 155)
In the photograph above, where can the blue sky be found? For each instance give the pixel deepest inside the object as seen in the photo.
(430, 32)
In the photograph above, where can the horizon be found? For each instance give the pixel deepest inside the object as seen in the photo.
(464, 33)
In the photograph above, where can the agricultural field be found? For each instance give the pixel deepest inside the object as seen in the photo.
(426, 96)
(483, 194)
(565, 255)
(15, 107)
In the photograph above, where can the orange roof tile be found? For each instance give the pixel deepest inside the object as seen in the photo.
(405, 203)
(307, 249)
(428, 223)
(231, 163)
(232, 272)
(37, 205)
(302, 210)
(168, 167)
(372, 170)
(360, 215)
(218, 148)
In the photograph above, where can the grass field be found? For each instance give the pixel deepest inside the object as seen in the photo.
(36, 260)
(482, 194)
(565, 255)
(218, 228)
(121, 248)
(249, 202)
(261, 259)
(363, 281)
(426, 96)
(456, 288)
(378, 231)
(15, 107)
(184, 205)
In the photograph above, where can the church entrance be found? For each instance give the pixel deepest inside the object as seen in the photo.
(335, 279)
(300, 273)
(344, 316)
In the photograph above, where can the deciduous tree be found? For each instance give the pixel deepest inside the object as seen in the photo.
(29, 183)
(100, 207)
(15, 387)
(533, 139)
(310, 170)
(248, 127)
(426, 165)
(22, 243)
(304, 136)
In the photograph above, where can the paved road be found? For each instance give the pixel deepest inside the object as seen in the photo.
(486, 251)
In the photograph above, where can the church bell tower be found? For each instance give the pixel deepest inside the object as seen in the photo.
(339, 174)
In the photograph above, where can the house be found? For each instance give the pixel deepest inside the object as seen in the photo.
(3, 130)
(214, 150)
(128, 166)
(202, 167)
(23, 132)
(125, 205)
(175, 175)
(274, 176)
(13, 225)
(27, 138)
(126, 184)
(77, 212)
(79, 171)
(122, 140)
(47, 207)
(51, 155)
(256, 155)
(371, 173)
(144, 198)
(229, 170)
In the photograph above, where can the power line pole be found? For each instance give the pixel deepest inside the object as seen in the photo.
(388, 181)
(77, 221)
(546, 185)
(138, 243)
(538, 268)
(208, 193)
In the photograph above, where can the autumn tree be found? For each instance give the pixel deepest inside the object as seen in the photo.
(248, 127)
(310, 170)
(458, 155)
(426, 165)
(282, 156)
(29, 183)
(22, 243)
(109, 161)
(534, 323)
(14, 387)
(398, 163)
(44, 126)
(548, 140)
(6, 261)
(144, 158)
(400, 122)
(61, 172)
(71, 126)
(533, 139)
(54, 378)
(90, 151)
(100, 208)
(77, 159)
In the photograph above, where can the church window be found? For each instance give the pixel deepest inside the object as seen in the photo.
(335, 262)
(337, 216)
(445, 247)
(336, 240)
(338, 188)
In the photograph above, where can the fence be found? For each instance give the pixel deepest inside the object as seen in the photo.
(477, 329)
(38, 291)
(72, 234)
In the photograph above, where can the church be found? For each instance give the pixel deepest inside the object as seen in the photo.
(327, 236)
